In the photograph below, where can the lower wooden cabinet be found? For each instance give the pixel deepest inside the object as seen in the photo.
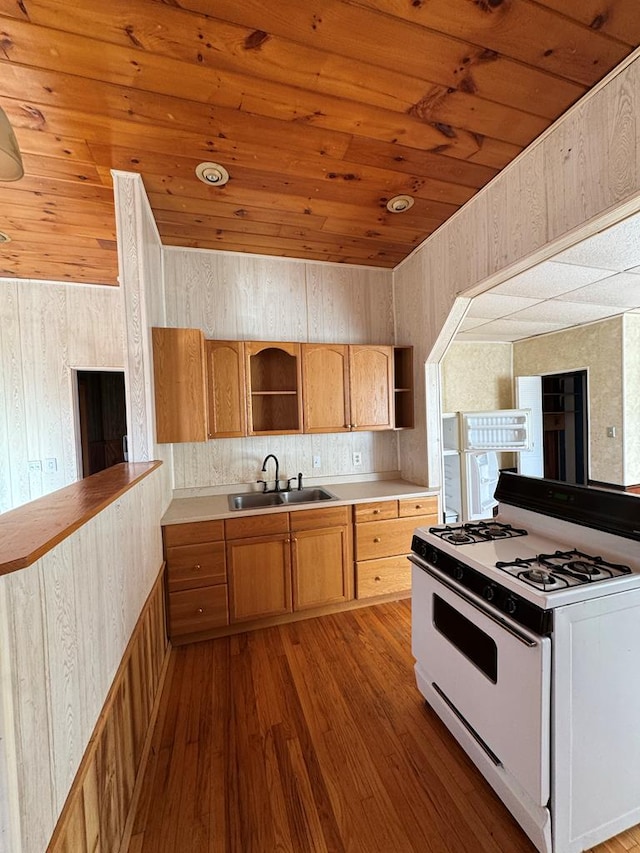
(197, 594)
(307, 567)
(321, 557)
(383, 533)
(259, 577)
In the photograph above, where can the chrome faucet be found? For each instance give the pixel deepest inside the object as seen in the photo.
(276, 488)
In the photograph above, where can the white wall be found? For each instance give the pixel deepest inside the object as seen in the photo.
(586, 164)
(46, 330)
(247, 297)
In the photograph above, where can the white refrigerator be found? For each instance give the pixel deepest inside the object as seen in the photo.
(471, 443)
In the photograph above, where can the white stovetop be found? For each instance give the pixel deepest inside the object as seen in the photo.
(546, 535)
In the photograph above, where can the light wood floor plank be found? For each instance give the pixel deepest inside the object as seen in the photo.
(312, 738)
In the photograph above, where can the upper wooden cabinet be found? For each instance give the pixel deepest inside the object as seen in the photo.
(347, 387)
(226, 385)
(370, 387)
(325, 379)
(274, 381)
(180, 385)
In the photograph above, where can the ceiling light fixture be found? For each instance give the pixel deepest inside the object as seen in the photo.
(399, 203)
(11, 168)
(213, 174)
(4, 238)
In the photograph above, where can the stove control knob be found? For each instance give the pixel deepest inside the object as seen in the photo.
(489, 592)
(434, 557)
(458, 572)
(510, 605)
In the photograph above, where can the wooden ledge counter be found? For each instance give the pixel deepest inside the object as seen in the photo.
(29, 531)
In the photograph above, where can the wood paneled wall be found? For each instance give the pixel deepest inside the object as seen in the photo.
(47, 329)
(588, 163)
(65, 622)
(142, 294)
(98, 812)
(247, 297)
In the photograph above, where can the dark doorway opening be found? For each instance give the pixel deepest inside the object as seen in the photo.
(103, 420)
(565, 424)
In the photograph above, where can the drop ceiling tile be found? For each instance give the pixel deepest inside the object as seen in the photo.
(566, 313)
(621, 290)
(471, 323)
(616, 248)
(550, 279)
(515, 330)
(482, 338)
(491, 305)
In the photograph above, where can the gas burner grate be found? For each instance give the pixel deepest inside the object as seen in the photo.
(562, 569)
(479, 531)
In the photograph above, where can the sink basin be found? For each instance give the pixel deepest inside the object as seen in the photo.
(303, 496)
(255, 500)
(259, 500)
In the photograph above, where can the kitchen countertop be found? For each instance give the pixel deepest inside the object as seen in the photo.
(209, 507)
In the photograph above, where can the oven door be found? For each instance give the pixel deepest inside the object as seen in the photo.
(494, 675)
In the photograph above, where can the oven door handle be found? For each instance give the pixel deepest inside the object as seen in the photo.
(445, 581)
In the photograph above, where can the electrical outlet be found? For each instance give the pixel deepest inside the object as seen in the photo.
(35, 465)
(51, 465)
(357, 458)
(316, 462)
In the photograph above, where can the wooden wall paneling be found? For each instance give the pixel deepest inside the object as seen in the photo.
(47, 404)
(96, 326)
(14, 479)
(26, 657)
(68, 723)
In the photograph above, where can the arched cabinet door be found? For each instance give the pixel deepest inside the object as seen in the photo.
(226, 387)
(325, 378)
(370, 387)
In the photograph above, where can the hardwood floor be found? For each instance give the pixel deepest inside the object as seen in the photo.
(312, 736)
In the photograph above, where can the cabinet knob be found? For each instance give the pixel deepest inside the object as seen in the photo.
(376, 539)
(197, 567)
(354, 426)
(377, 578)
(376, 511)
(418, 506)
(200, 610)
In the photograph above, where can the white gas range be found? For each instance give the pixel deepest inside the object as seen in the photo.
(526, 634)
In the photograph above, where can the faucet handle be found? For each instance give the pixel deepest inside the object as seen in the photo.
(264, 484)
(300, 481)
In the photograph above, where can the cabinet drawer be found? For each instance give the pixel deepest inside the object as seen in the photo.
(375, 511)
(380, 577)
(384, 538)
(311, 519)
(200, 609)
(191, 566)
(196, 531)
(256, 525)
(418, 506)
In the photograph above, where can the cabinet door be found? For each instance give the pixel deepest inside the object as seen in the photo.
(259, 572)
(321, 567)
(179, 385)
(227, 391)
(325, 380)
(371, 387)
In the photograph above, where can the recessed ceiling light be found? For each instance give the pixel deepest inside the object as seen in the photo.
(399, 203)
(213, 174)
(4, 238)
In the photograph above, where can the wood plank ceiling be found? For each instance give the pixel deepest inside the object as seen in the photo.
(321, 111)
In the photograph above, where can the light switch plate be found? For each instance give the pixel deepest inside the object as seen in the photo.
(316, 462)
(611, 432)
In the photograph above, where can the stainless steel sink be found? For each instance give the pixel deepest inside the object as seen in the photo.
(255, 500)
(260, 500)
(303, 496)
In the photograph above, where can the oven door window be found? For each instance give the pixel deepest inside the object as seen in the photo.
(470, 640)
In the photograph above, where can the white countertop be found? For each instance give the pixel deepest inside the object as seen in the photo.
(209, 507)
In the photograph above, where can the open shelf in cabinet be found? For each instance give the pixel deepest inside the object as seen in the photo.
(403, 387)
(273, 376)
